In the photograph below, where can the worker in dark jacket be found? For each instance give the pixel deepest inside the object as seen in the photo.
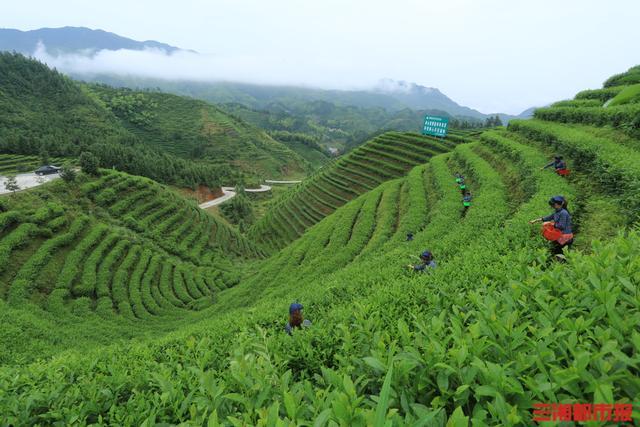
(466, 200)
(461, 184)
(427, 262)
(296, 319)
(559, 165)
(559, 220)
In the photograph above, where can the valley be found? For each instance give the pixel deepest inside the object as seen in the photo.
(125, 303)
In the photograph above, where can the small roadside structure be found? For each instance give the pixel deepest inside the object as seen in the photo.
(47, 170)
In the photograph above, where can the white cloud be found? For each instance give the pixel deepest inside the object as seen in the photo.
(187, 65)
(493, 55)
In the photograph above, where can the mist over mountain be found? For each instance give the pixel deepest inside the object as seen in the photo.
(66, 40)
(104, 57)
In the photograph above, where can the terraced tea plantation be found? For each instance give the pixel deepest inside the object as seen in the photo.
(133, 252)
(495, 328)
(617, 104)
(386, 157)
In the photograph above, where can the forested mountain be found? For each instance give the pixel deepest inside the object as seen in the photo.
(142, 133)
(337, 119)
(199, 131)
(59, 41)
(389, 95)
(333, 126)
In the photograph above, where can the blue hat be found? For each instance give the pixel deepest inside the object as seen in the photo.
(556, 199)
(296, 306)
(426, 254)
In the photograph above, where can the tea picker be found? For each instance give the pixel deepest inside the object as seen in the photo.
(427, 262)
(460, 182)
(559, 165)
(557, 226)
(466, 200)
(296, 318)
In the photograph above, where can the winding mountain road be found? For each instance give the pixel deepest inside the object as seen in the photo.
(229, 193)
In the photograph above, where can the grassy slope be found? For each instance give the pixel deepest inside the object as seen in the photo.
(195, 129)
(495, 328)
(315, 158)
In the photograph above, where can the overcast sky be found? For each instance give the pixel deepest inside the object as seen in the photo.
(492, 55)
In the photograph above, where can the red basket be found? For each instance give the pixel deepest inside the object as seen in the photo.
(562, 172)
(550, 232)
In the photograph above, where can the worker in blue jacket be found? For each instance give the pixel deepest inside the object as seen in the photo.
(561, 220)
(296, 319)
(427, 262)
(558, 164)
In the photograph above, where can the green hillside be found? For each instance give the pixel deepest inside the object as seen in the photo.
(498, 326)
(385, 157)
(149, 134)
(196, 130)
(308, 147)
(116, 255)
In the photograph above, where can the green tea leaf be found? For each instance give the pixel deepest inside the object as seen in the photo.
(458, 419)
(322, 418)
(383, 401)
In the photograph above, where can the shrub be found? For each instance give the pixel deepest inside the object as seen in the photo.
(25, 278)
(87, 285)
(17, 238)
(9, 218)
(74, 260)
(106, 197)
(628, 95)
(122, 285)
(68, 174)
(611, 116)
(89, 163)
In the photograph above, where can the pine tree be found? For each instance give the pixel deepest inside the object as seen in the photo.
(11, 184)
(68, 174)
(89, 163)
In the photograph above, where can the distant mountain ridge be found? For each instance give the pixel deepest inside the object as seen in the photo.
(392, 95)
(418, 97)
(66, 40)
(267, 96)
